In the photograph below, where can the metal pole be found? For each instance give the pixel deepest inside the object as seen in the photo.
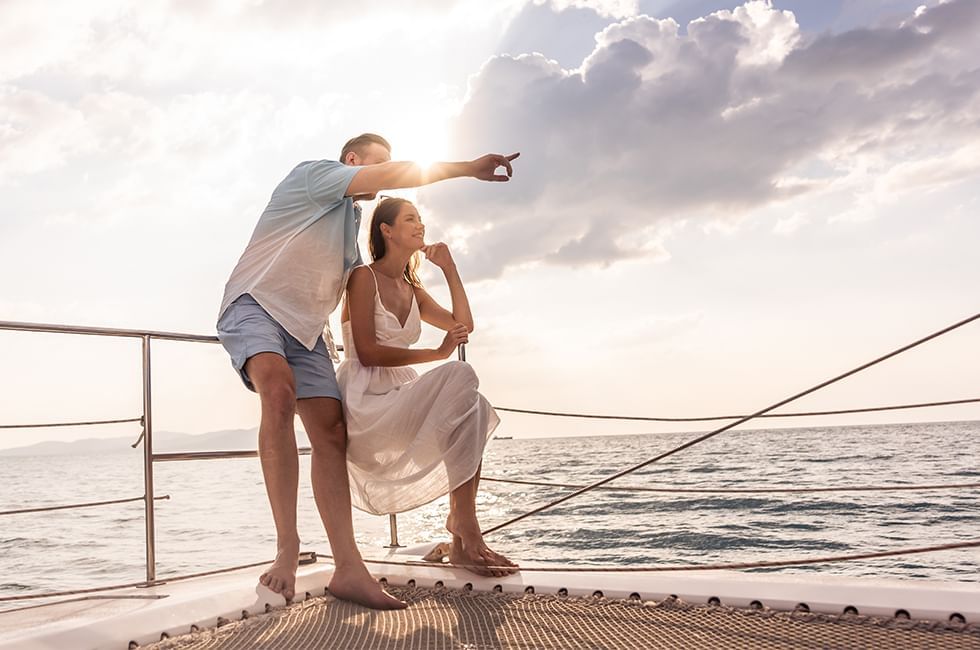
(393, 528)
(151, 559)
(462, 351)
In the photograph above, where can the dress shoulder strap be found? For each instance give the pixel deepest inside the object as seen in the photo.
(376, 290)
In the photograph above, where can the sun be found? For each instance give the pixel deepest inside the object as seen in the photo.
(420, 136)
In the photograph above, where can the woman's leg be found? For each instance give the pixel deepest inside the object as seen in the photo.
(468, 546)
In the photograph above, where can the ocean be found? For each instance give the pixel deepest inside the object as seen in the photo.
(217, 516)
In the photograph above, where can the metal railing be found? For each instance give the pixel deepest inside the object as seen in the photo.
(146, 420)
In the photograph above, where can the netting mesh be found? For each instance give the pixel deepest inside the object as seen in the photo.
(454, 620)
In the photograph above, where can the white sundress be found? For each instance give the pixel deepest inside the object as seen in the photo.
(410, 438)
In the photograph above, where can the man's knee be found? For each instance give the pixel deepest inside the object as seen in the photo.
(330, 433)
(278, 400)
(274, 382)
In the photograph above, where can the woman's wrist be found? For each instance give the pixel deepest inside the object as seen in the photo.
(438, 354)
(449, 270)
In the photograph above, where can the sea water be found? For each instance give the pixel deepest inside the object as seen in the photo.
(217, 514)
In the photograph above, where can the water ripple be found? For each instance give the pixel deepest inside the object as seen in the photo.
(197, 530)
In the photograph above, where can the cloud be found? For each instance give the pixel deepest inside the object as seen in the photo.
(740, 112)
(610, 8)
(790, 224)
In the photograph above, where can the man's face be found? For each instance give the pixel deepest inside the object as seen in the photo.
(373, 154)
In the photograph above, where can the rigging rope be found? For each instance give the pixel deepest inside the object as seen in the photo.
(67, 424)
(870, 409)
(551, 569)
(636, 488)
(80, 505)
(702, 567)
(128, 585)
(731, 425)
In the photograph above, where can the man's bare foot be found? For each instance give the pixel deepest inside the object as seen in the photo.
(281, 576)
(355, 584)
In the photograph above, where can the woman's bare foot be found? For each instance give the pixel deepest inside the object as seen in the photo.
(481, 560)
(281, 576)
(471, 552)
(355, 584)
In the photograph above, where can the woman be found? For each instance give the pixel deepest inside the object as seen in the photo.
(411, 438)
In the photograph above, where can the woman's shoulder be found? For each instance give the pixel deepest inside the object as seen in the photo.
(362, 272)
(361, 278)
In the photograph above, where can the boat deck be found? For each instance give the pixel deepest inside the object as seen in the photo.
(452, 619)
(451, 608)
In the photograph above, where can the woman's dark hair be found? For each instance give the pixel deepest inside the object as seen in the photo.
(386, 212)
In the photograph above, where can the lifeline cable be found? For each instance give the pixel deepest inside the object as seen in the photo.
(712, 434)
(639, 488)
(549, 569)
(74, 506)
(697, 567)
(643, 418)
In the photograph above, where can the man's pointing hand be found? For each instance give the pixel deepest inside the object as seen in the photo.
(485, 167)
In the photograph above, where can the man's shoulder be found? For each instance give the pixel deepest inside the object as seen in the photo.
(307, 166)
(326, 162)
(309, 175)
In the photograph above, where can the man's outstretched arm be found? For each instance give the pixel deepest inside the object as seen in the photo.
(372, 179)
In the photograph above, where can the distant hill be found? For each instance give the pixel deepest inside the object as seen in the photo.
(163, 441)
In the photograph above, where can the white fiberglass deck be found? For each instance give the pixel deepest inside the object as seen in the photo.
(145, 615)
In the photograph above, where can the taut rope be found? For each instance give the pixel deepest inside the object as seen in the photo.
(731, 425)
(639, 418)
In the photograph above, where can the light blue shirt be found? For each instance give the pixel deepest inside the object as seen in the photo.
(302, 251)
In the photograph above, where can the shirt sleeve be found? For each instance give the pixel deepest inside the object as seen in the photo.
(327, 182)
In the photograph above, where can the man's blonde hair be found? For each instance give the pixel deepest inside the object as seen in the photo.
(357, 145)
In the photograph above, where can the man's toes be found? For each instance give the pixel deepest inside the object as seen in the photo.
(265, 579)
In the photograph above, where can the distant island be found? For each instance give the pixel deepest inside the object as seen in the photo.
(163, 441)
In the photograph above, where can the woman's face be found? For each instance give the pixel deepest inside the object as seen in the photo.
(407, 231)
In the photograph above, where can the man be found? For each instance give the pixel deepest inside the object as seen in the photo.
(272, 320)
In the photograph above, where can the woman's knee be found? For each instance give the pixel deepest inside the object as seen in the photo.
(463, 371)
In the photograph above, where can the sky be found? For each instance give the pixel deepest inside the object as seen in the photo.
(717, 204)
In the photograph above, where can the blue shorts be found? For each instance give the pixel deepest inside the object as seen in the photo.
(245, 329)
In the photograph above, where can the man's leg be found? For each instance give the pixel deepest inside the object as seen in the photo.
(273, 381)
(323, 418)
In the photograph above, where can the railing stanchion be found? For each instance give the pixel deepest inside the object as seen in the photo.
(393, 528)
(151, 560)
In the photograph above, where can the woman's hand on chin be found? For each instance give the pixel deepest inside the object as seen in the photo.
(439, 255)
(454, 337)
